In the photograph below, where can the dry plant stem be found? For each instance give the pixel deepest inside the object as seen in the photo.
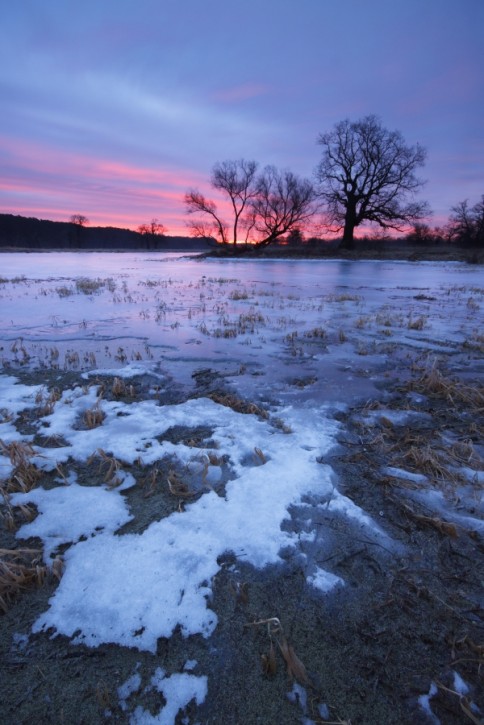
(463, 702)
(238, 405)
(295, 668)
(178, 487)
(113, 466)
(269, 662)
(445, 527)
(260, 455)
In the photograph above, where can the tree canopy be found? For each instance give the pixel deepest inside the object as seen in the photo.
(368, 174)
(79, 219)
(466, 223)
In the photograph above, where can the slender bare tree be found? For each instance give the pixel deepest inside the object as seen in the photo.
(466, 223)
(264, 206)
(236, 180)
(154, 228)
(79, 219)
(211, 225)
(367, 173)
(283, 202)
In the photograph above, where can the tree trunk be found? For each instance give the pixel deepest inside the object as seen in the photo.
(348, 233)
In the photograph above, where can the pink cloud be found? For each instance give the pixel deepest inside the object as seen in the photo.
(49, 182)
(242, 92)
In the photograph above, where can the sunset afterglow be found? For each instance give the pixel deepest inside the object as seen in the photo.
(114, 112)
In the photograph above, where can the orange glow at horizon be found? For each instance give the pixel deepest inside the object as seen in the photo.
(50, 183)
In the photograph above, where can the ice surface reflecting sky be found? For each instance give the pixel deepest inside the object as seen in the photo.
(279, 318)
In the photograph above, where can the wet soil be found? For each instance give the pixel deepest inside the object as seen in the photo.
(409, 614)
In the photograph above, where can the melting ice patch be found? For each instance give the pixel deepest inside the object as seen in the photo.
(132, 589)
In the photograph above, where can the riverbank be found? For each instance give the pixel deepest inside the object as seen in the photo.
(407, 253)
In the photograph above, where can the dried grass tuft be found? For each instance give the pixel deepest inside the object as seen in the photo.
(119, 388)
(238, 405)
(25, 474)
(150, 482)
(19, 452)
(434, 383)
(19, 570)
(425, 459)
(47, 400)
(417, 324)
(93, 417)
(109, 465)
(178, 487)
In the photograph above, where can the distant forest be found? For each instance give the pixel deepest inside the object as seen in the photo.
(20, 232)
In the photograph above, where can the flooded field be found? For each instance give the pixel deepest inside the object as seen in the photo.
(232, 477)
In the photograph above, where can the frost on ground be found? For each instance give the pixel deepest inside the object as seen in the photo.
(213, 448)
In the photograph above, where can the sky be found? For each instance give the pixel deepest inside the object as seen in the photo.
(115, 109)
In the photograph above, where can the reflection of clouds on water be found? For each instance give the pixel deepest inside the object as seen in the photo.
(174, 308)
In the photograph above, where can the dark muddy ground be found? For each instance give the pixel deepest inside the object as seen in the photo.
(409, 616)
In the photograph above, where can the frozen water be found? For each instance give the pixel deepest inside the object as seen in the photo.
(306, 339)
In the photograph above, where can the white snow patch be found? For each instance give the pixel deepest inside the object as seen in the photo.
(178, 689)
(128, 371)
(128, 688)
(405, 475)
(67, 513)
(16, 397)
(436, 501)
(190, 665)
(459, 685)
(396, 417)
(424, 702)
(133, 589)
(324, 580)
(298, 696)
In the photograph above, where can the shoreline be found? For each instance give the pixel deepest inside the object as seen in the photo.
(400, 253)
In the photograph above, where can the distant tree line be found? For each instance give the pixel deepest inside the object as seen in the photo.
(366, 174)
(31, 233)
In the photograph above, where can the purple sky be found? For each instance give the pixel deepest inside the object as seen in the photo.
(114, 108)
